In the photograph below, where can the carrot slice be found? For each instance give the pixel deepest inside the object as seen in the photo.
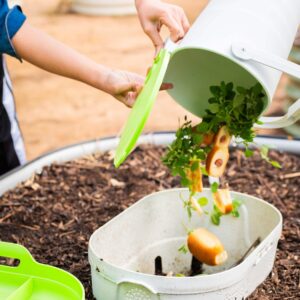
(222, 138)
(206, 247)
(216, 161)
(223, 200)
(208, 139)
(195, 176)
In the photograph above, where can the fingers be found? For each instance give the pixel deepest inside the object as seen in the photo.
(129, 93)
(166, 86)
(152, 31)
(184, 21)
(132, 84)
(176, 21)
(174, 25)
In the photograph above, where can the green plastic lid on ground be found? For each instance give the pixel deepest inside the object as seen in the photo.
(31, 280)
(142, 107)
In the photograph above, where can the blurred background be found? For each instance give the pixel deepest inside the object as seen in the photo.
(54, 111)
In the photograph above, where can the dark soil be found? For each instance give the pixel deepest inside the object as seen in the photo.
(54, 213)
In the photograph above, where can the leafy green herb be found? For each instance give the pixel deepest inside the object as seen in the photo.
(235, 210)
(214, 187)
(179, 275)
(264, 151)
(248, 152)
(184, 150)
(215, 216)
(203, 171)
(203, 201)
(187, 205)
(183, 249)
(237, 109)
(275, 164)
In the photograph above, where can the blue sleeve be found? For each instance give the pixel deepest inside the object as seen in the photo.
(10, 22)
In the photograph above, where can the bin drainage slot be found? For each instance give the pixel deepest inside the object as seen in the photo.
(158, 266)
(196, 267)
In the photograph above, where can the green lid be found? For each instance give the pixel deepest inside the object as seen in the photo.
(31, 280)
(142, 107)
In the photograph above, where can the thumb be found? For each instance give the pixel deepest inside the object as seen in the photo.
(129, 96)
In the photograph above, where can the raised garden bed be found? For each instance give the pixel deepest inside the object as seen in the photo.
(54, 213)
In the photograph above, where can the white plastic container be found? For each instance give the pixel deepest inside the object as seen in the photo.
(239, 41)
(104, 7)
(123, 251)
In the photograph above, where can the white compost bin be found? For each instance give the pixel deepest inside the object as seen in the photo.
(115, 278)
(104, 7)
(122, 253)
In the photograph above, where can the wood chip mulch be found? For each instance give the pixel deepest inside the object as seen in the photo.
(54, 213)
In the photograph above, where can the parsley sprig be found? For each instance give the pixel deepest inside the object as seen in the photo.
(185, 149)
(237, 109)
(215, 215)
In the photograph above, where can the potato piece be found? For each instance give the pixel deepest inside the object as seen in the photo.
(216, 161)
(196, 178)
(222, 138)
(206, 247)
(223, 200)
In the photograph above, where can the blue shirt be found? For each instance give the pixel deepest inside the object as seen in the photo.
(10, 22)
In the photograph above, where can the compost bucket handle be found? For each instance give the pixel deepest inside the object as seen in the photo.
(16, 251)
(246, 52)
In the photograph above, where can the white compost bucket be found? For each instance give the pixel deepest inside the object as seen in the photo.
(104, 7)
(123, 251)
(239, 41)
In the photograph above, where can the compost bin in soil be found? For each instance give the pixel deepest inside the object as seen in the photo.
(55, 212)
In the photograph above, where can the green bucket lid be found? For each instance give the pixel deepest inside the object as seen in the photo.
(32, 280)
(142, 107)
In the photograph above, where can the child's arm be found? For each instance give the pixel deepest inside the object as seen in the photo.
(45, 52)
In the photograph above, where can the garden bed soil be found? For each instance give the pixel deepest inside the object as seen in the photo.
(55, 212)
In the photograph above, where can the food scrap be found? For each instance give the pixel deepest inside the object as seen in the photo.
(206, 247)
(204, 150)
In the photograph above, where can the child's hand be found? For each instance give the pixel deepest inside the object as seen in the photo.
(154, 13)
(124, 86)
